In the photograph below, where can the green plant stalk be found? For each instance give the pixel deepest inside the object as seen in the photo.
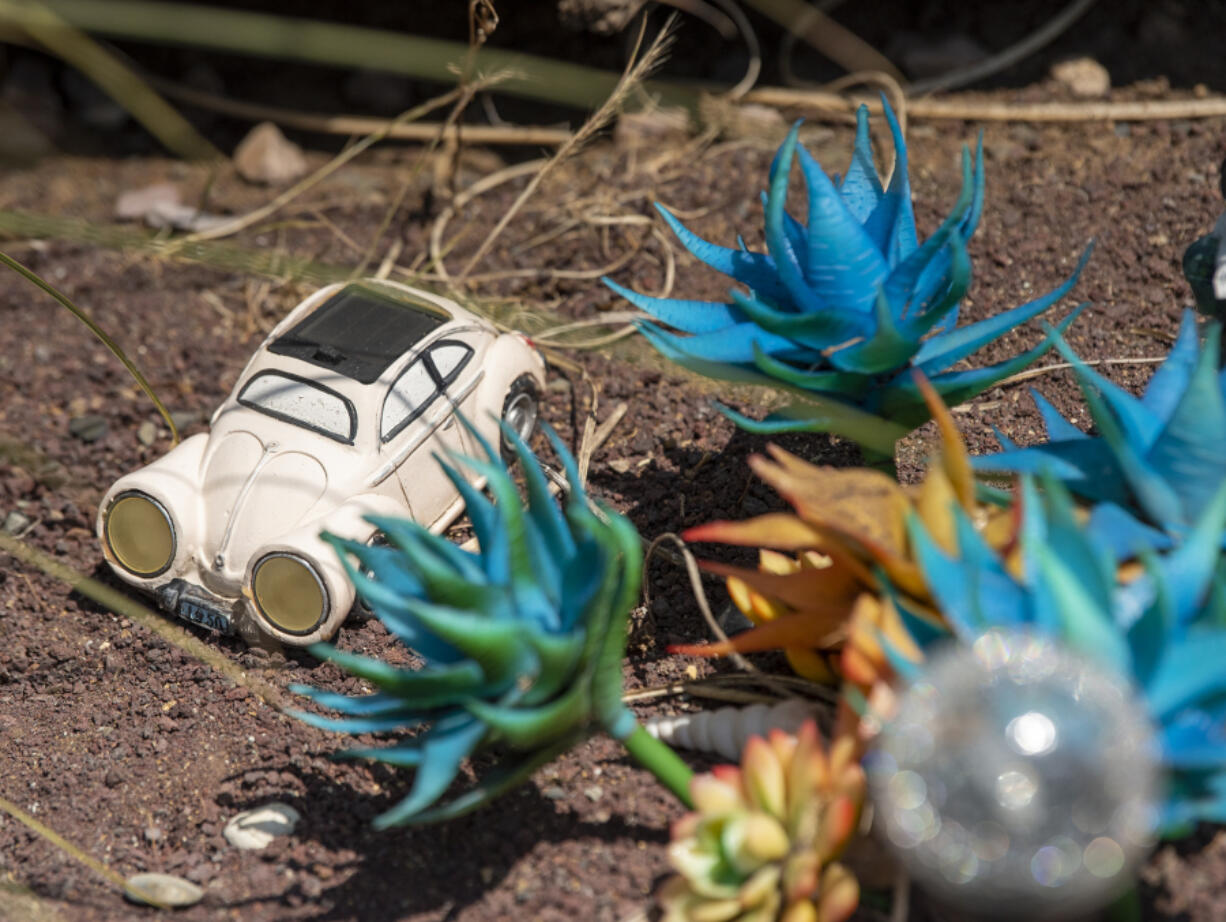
(46, 832)
(879, 461)
(112, 75)
(340, 45)
(115, 601)
(659, 759)
(609, 710)
(113, 346)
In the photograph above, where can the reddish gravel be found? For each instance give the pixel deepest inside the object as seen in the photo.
(138, 754)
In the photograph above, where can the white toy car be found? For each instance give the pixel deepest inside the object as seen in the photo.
(335, 417)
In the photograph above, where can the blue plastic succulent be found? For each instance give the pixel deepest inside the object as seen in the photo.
(1161, 457)
(1163, 630)
(841, 308)
(522, 640)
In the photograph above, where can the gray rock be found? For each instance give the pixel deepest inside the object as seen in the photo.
(134, 204)
(147, 433)
(15, 523)
(88, 428)
(184, 418)
(254, 829)
(1084, 77)
(604, 17)
(267, 156)
(162, 890)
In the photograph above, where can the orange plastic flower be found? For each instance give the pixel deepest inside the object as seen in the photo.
(816, 588)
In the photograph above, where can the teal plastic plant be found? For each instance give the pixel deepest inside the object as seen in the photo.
(1164, 630)
(1160, 457)
(841, 309)
(523, 640)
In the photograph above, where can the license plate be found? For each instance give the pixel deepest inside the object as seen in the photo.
(205, 615)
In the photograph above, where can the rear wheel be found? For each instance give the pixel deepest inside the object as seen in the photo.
(361, 611)
(519, 411)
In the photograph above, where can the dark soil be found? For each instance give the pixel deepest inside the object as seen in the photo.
(138, 753)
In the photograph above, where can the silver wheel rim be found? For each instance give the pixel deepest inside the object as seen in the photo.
(521, 415)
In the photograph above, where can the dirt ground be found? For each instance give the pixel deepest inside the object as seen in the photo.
(138, 753)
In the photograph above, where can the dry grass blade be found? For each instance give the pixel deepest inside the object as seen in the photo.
(272, 263)
(636, 73)
(346, 46)
(1057, 366)
(71, 850)
(715, 687)
(467, 91)
(113, 346)
(112, 75)
(685, 557)
(119, 603)
(832, 40)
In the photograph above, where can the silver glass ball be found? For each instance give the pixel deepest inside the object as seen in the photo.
(1017, 779)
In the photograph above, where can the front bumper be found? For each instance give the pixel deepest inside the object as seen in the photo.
(196, 604)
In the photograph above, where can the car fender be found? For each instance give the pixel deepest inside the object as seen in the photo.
(510, 356)
(350, 520)
(173, 480)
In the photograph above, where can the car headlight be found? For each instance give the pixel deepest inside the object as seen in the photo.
(288, 593)
(140, 534)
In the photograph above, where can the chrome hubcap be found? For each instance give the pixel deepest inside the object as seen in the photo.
(521, 415)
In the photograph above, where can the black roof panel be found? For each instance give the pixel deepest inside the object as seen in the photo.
(359, 331)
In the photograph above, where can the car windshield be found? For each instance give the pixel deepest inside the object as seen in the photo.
(359, 331)
(301, 402)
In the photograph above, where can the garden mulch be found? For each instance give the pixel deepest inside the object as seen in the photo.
(138, 753)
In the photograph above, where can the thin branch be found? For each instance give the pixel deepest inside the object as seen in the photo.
(824, 103)
(34, 279)
(528, 135)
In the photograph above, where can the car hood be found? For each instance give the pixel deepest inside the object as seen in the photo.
(253, 493)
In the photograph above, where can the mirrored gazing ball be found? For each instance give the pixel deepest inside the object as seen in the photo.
(1017, 779)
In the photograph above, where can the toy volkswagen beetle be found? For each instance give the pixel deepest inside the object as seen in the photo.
(335, 418)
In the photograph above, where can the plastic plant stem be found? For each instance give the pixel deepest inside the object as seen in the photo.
(879, 461)
(1126, 908)
(113, 346)
(659, 759)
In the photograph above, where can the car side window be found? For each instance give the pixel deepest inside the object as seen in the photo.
(449, 358)
(412, 393)
(420, 383)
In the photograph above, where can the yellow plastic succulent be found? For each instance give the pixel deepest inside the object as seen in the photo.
(761, 843)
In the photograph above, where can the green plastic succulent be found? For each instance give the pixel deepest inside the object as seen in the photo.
(1163, 629)
(761, 843)
(523, 640)
(1160, 457)
(842, 308)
